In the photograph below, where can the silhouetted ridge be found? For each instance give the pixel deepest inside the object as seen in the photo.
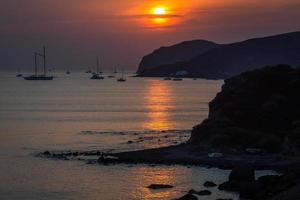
(177, 53)
(228, 60)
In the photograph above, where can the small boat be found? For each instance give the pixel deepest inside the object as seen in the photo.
(122, 79)
(37, 77)
(96, 75)
(111, 76)
(177, 79)
(68, 71)
(167, 79)
(115, 72)
(19, 73)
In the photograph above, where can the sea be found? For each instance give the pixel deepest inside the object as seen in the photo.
(74, 113)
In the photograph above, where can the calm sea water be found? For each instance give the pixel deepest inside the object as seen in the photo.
(76, 113)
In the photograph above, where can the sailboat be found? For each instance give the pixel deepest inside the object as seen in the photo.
(68, 71)
(96, 76)
(122, 79)
(42, 77)
(89, 71)
(19, 73)
(115, 72)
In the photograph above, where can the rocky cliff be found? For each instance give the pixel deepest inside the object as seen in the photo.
(257, 109)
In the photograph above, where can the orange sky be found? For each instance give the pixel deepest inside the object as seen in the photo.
(122, 31)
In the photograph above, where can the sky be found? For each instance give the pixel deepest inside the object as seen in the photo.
(121, 32)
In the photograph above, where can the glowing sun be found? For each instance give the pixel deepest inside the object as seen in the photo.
(159, 11)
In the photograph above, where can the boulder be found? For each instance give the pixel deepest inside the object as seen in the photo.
(188, 197)
(47, 153)
(209, 184)
(237, 177)
(159, 186)
(229, 186)
(200, 193)
(252, 190)
(242, 174)
(223, 199)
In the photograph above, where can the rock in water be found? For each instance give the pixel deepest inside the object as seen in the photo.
(159, 186)
(242, 174)
(237, 177)
(209, 184)
(188, 197)
(47, 153)
(200, 193)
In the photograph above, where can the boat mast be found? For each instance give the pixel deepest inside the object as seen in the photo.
(44, 55)
(97, 65)
(35, 63)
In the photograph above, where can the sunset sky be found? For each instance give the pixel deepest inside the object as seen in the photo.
(122, 31)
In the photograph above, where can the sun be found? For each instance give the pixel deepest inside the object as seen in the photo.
(159, 11)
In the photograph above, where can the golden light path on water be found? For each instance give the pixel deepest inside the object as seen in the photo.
(162, 176)
(158, 102)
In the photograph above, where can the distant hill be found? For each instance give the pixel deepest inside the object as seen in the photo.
(184, 51)
(228, 60)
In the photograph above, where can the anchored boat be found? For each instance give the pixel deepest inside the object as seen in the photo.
(41, 77)
(97, 76)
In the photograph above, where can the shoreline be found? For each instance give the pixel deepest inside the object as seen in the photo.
(184, 155)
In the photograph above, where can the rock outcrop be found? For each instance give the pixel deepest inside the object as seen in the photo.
(257, 109)
(265, 187)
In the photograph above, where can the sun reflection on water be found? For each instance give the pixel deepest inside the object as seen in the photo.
(149, 176)
(158, 102)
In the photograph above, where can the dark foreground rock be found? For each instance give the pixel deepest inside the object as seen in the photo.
(200, 193)
(223, 199)
(188, 197)
(159, 186)
(242, 174)
(209, 184)
(264, 187)
(255, 110)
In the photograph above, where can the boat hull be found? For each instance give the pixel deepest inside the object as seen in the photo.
(39, 78)
(97, 77)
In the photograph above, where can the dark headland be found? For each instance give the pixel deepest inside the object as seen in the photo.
(221, 61)
(253, 123)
